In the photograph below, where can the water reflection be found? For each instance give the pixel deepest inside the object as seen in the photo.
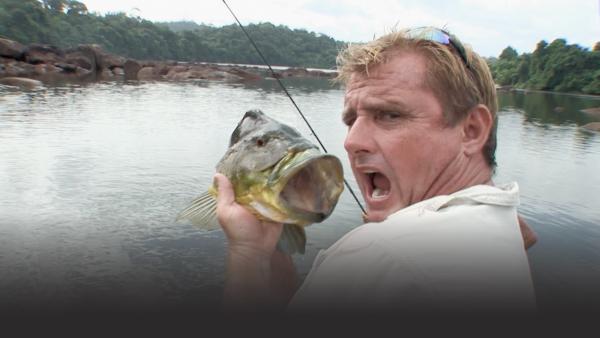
(548, 108)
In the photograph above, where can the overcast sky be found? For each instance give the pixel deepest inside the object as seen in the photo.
(488, 26)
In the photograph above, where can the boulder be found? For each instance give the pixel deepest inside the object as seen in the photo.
(36, 53)
(109, 61)
(131, 69)
(105, 74)
(178, 76)
(17, 69)
(594, 126)
(44, 68)
(21, 82)
(118, 71)
(161, 69)
(11, 49)
(295, 72)
(147, 73)
(221, 75)
(82, 57)
(244, 75)
(66, 67)
(595, 112)
(176, 73)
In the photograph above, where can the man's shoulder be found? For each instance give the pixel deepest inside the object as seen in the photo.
(452, 246)
(476, 214)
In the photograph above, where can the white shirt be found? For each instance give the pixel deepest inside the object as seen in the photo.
(458, 251)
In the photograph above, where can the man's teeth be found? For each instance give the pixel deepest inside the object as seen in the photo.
(377, 192)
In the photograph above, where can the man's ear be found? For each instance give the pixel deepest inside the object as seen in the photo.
(476, 129)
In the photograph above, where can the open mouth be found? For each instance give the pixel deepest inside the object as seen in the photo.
(378, 185)
(313, 187)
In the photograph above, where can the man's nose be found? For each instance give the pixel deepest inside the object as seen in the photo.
(359, 137)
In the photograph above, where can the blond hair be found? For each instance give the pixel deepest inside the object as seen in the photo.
(458, 85)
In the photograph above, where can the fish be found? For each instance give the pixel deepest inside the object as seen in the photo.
(278, 175)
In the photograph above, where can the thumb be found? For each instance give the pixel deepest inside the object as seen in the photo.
(225, 194)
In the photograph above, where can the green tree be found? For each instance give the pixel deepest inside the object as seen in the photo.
(508, 53)
(76, 8)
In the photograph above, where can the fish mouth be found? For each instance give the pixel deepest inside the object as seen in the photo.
(310, 184)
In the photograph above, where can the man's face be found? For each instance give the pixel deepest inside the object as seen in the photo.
(399, 147)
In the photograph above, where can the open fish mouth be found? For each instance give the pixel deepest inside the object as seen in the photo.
(309, 184)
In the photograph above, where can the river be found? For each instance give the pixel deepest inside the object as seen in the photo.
(93, 175)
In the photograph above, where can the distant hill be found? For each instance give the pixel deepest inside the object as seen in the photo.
(180, 26)
(68, 23)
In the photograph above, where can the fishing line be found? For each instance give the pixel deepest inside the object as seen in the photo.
(291, 99)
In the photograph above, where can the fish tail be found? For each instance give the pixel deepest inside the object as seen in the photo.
(292, 239)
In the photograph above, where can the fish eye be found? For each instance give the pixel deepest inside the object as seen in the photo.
(260, 142)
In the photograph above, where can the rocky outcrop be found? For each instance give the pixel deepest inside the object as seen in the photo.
(131, 69)
(20, 82)
(595, 112)
(303, 72)
(11, 49)
(89, 62)
(593, 126)
(49, 64)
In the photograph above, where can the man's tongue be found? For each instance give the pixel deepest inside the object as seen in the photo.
(381, 186)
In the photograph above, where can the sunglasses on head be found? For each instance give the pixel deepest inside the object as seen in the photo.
(440, 36)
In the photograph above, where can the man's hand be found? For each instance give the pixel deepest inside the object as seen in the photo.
(245, 233)
(252, 260)
(529, 236)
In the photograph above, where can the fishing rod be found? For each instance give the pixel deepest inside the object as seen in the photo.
(291, 99)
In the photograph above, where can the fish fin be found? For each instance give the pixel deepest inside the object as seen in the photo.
(292, 239)
(202, 212)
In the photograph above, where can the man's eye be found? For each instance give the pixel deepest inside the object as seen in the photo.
(389, 116)
(349, 120)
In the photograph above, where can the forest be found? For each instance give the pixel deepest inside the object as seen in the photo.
(556, 66)
(67, 23)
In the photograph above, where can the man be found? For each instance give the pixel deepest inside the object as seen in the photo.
(421, 115)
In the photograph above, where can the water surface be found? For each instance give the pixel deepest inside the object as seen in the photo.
(92, 177)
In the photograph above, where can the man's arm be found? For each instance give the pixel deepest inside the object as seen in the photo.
(257, 274)
(529, 236)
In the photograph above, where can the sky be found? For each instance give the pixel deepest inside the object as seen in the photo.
(488, 26)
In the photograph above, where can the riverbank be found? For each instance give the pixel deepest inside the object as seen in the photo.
(525, 90)
(49, 64)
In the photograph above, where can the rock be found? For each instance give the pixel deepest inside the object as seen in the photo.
(147, 73)
(176, 73)
(118, 71)
(592, 111)
(36, 53)
(44, 68)
(107, 74)
(18, 69)
(559, 109)
(81, 58)
(161, 69)
(294, 72)
(11, 49)
(594, 126)
(67, 67)
(245, 75)
(105, 60)
(221, 75)
(21, 82)
(131, 69)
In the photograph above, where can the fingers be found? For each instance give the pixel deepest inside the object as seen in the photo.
(226, 195)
